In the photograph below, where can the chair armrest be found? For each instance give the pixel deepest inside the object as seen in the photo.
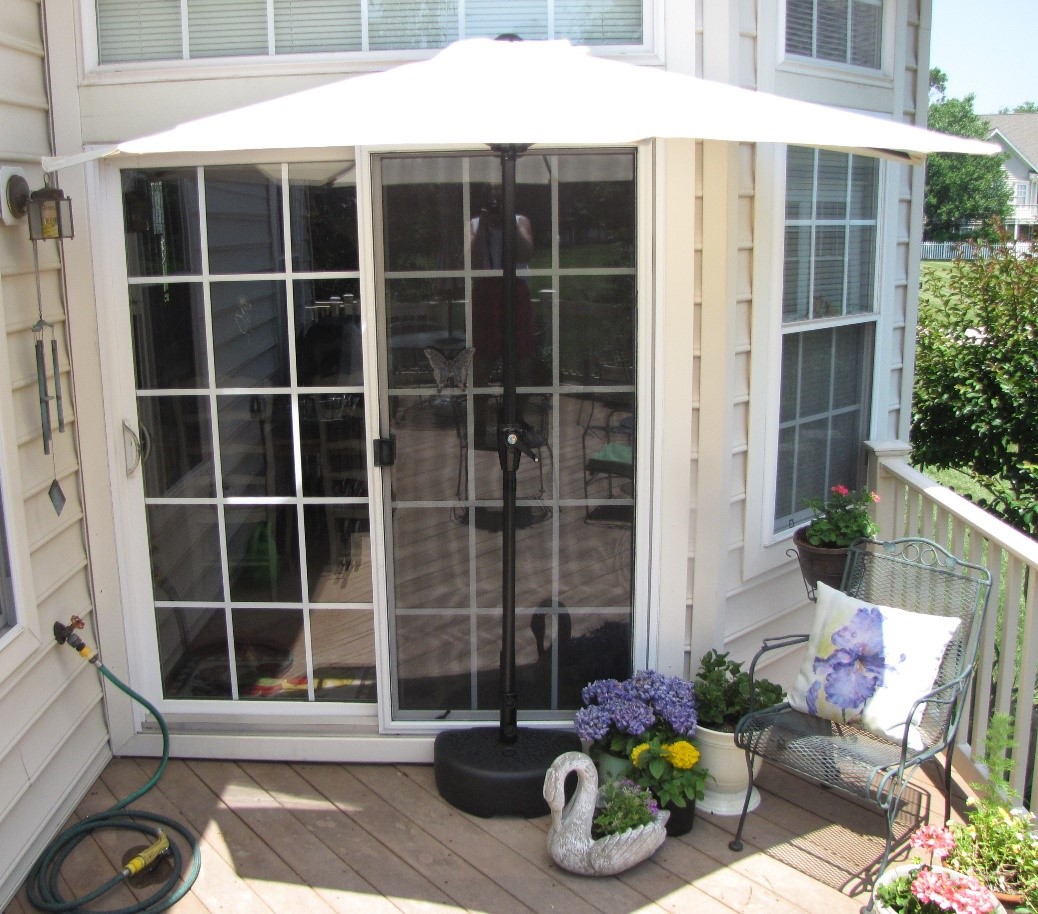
(770, 644)
(948, 693)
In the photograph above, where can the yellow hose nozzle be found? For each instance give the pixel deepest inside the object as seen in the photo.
(148, 856)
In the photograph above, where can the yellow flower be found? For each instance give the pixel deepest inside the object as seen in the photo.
(636, 753)
(681, 754)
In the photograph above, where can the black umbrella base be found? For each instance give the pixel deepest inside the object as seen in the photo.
(479, 774)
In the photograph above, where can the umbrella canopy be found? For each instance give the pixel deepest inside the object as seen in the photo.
(480, 91)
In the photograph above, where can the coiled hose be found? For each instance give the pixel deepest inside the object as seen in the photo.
(44, 879)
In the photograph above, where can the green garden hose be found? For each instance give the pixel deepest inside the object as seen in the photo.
(44, 879)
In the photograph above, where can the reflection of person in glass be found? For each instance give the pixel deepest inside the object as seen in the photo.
(488, 292)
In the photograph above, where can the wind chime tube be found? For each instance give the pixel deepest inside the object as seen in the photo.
(41, 381)
(58, 405)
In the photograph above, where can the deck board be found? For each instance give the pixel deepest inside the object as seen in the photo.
(309, 838)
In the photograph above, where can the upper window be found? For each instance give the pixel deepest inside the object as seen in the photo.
(828, 326)
(843, 31)
(140, 30)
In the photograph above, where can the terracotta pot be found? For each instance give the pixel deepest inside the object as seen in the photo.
(819, 563)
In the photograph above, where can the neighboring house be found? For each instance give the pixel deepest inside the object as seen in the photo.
(713, 332)
(1017, 134)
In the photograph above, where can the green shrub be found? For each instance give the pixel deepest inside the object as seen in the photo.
(976, 396)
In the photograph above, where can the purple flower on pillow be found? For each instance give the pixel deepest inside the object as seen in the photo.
(854, 670)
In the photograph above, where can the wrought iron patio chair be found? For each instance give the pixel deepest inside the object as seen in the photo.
(918, 576)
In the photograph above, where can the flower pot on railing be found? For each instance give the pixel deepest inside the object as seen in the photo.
(819, 563)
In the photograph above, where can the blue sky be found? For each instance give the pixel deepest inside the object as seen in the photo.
(987, 47)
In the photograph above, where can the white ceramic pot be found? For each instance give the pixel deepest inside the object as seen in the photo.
(726, 762)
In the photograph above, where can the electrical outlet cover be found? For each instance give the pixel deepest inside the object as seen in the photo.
(7, 172)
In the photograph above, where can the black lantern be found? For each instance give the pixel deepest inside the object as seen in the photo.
(50, 215)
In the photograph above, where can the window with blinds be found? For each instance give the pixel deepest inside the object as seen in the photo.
(828, 323)
(843, 31)
(142, 30)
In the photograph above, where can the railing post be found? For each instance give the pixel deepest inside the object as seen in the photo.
(885, 484)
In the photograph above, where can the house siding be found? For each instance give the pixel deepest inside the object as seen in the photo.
(54, 739)
(740, 591)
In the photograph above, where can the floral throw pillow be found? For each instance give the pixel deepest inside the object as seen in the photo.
(868, 664)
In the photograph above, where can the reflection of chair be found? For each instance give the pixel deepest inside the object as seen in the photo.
(608, 447)
(341, 443)
(860, 650)
(534, 413)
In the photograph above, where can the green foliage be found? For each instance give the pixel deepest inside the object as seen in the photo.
(996, 844)
(723, 692)
(622, 805)
(670, 770)
(976, 396)
(841, 518)
(1023, 108)
(897, 895)
(961, 190)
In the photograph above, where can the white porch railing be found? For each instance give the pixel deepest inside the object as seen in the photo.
(1025, 212)
(912, 504)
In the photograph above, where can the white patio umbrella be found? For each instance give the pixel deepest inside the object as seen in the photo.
(510, 95)
(485, 92)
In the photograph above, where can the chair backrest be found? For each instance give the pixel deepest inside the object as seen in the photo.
(920, 576)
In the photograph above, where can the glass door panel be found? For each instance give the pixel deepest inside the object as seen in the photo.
(244, 297)
(440, 342)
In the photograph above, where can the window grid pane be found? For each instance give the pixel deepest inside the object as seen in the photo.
(829, 275)
(830, 258)
(140, 30)
(842, 31)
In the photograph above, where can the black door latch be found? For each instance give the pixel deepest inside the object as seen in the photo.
(384, 451)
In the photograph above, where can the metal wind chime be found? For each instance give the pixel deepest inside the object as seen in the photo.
(50, 218)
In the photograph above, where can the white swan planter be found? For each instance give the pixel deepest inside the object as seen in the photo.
(569, 839)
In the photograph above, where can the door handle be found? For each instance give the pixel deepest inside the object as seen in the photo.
(137, 453)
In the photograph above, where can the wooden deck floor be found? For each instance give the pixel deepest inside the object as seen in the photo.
(300, 838)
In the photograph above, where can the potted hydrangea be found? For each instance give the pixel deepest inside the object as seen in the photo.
(838, 521)
(642, 729)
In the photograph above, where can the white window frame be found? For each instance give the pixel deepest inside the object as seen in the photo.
(834, 69)
(21, 638)
(765, 548)
(649, 52)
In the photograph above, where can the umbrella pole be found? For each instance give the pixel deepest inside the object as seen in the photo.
(509, 441)
(490, 771)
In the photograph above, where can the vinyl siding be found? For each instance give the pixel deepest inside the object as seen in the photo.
(54, 740)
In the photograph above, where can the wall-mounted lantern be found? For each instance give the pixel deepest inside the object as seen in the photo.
(50, 215)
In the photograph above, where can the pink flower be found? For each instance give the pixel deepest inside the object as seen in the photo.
(934, 838)
(955, 892)
(841, 490)
(874, 496)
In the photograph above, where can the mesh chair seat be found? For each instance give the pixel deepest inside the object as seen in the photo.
(846, 758)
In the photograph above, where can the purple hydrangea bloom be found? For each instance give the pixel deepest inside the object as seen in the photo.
(630, 708)
(592, 723)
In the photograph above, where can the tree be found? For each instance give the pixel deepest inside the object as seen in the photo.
(1024, 108)
(976, 385)
(962, 191)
